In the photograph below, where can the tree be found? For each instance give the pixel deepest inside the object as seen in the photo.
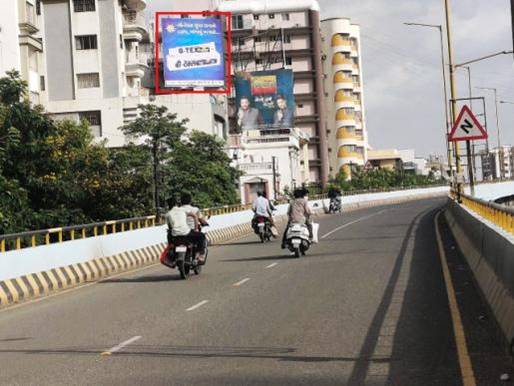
(200, 166)
(160, 132)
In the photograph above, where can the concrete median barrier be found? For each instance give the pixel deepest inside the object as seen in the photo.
(38, 271)
(489, 251)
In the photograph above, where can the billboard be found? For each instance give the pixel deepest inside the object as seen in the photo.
(193, 52)
(264, 100)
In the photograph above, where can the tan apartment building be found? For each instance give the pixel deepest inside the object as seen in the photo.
(344, 97)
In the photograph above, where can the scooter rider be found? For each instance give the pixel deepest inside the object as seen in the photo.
(298, 213)
(177, 220)
(334, 194)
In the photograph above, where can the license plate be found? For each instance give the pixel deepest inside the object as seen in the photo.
(181, 249)
(261, 225)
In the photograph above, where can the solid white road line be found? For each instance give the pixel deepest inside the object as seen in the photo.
(197, 305)
(272, 265)
(120, 346)
(239, 283)
(352, 222)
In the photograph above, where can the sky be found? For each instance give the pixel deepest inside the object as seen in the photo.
(402, 71)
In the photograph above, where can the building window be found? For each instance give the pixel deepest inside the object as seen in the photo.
(258, 61)
(30, 13)
(273, 38)
(38, 7)
(289, 61)
(86, 42)
(285, 17)
(42, 83)
(237, 22)
(84, 5)
(271, 15)
(255, 17)
(94, 118)
(287, 38)
(121, 41)
(258, 39)
(89, 80)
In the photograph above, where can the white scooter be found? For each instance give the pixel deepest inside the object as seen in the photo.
(298, 239)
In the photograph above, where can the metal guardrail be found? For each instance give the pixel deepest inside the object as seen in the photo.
(58, 235)
(30, 239)
(499, 215)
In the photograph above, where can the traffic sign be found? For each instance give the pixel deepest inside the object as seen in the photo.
(467, 127)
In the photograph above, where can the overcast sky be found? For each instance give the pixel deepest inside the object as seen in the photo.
(402, 65)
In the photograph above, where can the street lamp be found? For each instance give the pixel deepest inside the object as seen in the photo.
(447, 115)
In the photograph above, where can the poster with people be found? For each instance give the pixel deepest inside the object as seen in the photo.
(264, 100)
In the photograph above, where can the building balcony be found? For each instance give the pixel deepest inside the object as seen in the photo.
(134, 26)
(136, 5)
(135, 68)
(269, 138)
(345, 134)
(256, 168)
(342, 115)
(28, 27)
(35, 43)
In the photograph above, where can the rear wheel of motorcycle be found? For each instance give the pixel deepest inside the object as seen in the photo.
(261, 235)
(182, 269)
(197, 270)
(297, 252)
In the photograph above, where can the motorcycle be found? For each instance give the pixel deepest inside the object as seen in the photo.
(298, 239)
(335, 206)
(262, 227)
(181, 254)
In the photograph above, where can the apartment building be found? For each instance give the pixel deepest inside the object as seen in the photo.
(275, 34)
(20, 42)
(498, 163)
(344, 97)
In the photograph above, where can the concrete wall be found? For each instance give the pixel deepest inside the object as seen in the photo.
(31, 260)
(489, 251)
(58, 48)
(9, 43)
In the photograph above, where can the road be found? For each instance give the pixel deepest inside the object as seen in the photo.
(366, 306)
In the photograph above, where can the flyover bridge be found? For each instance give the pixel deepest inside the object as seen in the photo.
(386, 298)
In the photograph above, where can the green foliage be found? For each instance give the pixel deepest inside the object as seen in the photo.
(380, 179)
(52, 173)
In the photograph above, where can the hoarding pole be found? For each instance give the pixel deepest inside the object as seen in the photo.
(273, 160)
(283, 49)
(470, 168)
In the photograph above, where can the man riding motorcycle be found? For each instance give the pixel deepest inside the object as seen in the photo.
(183, 221)
(298, 213)
(262, 208)
(334, 194)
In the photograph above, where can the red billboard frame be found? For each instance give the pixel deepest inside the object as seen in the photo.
(228, 61)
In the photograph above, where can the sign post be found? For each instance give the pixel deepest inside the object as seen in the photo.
(467, 128)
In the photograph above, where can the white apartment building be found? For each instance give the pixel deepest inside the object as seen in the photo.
(275, 34)
(99, 67)
(344, 97)
(20, 42)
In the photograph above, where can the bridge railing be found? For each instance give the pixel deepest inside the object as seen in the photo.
(29, 239)
(499, 215)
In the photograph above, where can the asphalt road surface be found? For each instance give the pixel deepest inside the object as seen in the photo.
(366, 306)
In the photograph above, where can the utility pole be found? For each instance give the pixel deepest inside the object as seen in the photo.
(274, 163)
(453, 91)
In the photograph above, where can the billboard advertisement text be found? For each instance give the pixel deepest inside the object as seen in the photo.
(193, 52)
(264, 100)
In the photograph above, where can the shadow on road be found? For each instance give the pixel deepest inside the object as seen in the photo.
(143, 279)
(285, 256)
(198, 352)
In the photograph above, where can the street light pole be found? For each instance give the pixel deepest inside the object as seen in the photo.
(453, 90)
(445, 90)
